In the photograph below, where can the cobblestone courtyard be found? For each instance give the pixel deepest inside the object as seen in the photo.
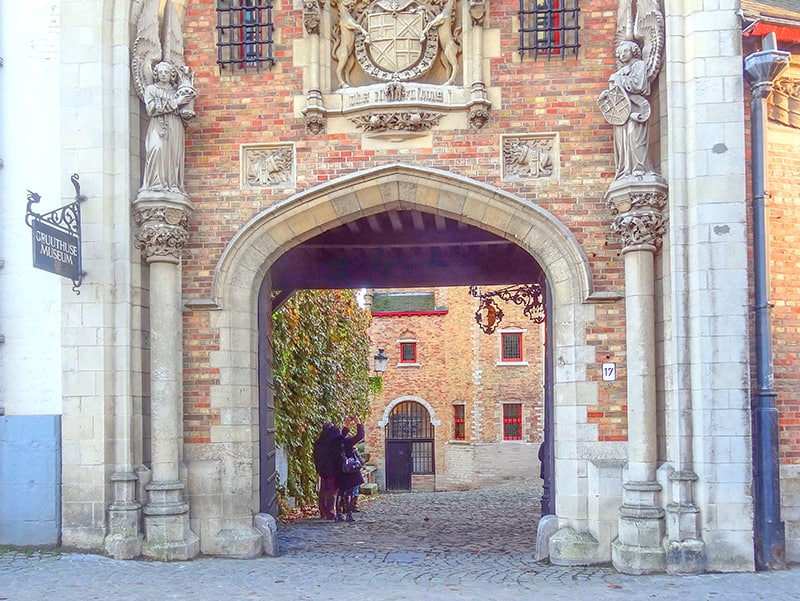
(475, 545)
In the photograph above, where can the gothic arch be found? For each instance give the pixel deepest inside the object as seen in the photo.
(275, 230)
(431, 411)
(243, 273)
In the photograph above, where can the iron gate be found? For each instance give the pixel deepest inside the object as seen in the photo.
(409, 445)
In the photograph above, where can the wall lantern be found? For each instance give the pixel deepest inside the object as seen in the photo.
(380, 362)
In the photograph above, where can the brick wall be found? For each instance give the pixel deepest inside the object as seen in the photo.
(546, 96)
(459, 364)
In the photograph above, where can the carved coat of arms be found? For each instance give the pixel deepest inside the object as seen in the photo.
(399, 45)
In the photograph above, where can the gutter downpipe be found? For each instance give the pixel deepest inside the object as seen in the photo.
(761, 70)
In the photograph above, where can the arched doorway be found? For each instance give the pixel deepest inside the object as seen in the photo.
(261, 259)
(409, 437)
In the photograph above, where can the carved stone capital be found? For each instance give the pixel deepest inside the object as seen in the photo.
(162, 232)
(637, 208)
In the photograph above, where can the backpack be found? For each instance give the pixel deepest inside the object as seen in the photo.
(352, 464)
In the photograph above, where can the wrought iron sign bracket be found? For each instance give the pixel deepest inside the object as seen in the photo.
(57, 237)
(489, 314)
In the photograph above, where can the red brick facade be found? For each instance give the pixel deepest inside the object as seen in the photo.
(553, 96)
(459, 364)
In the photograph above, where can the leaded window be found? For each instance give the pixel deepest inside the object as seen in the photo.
(408, 352)
(244, 34)
(548, 28)
(512, 421)
(511, 346)
(459, 425)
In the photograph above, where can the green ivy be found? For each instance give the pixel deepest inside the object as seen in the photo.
(321, 373)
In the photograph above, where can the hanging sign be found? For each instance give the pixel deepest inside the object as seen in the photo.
(56, 237)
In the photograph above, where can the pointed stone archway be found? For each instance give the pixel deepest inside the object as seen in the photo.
(242, 274)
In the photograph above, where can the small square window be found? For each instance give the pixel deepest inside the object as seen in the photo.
(459, 427)
(512, 421)
(511, 346)
(244, 34)
(408, 352)
(548, 27)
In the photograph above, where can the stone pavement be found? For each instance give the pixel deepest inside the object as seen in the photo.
(475, 546)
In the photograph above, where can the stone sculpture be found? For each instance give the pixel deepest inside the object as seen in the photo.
(165, 85)
(639, 52)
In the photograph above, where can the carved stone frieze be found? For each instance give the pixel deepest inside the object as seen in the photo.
(529, 157)
(267, 165)
(162, 232)
(399, 121)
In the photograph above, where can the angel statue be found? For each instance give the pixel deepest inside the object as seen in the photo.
(165, 85)
(639, 53)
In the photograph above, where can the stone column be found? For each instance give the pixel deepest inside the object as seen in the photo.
(314, 113)
(162, 218)
(637, 205)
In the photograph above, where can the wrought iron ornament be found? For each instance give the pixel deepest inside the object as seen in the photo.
(57, 237)
(489, 315)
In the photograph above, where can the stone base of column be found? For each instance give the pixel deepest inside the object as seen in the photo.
(639, 547)
(686, 557)
(637, 560)
(570, 548)
(124, 540)
(167, 535)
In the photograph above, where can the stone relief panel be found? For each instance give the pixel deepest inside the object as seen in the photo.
(420, 57)
(267, 166)
(784, 102)
(530, 157)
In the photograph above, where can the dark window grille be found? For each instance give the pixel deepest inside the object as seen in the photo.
(512, 346)
(459, 425)
(408, 352)
(244, 34)
(512, 421)
(548, 28)
(410, 421)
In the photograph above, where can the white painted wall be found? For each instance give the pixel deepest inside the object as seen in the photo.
(30, 147)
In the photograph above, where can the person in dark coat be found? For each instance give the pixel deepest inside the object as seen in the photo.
(328, 463)
(349, 482)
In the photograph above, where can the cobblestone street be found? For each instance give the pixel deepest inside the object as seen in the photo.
(474, 545)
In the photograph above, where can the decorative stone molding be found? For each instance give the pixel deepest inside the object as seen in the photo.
(162, 233)
(784, 102)
(529, 156)
(479, 115)
(637, 209)
(403, 121)
(477, 12)
(315, 122)
(368, 57)
(268, 165)
(312, 15)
